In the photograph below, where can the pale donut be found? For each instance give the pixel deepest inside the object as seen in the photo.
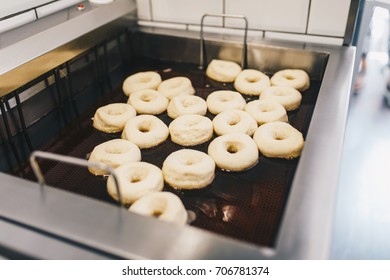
(223, 70)
(234, 152)
(188, 169)
(288, 97)
(165, 206)
(146, 131)
(148, 101)
(113, 117)
(114, 153)
(141, 80)
(225, 100)
(186, 105)
(176, 86)
(264, 111)
(191, 130)
(251, 82)
(279, 140)
(135, 180)
(234, 121)
(295, 78)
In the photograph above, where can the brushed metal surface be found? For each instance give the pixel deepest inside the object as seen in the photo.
(27, 59)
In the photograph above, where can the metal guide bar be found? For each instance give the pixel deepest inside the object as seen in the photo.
(202, 57)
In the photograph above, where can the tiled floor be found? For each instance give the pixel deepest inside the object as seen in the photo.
(362, 216)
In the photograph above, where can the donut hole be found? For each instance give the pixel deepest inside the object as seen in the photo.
(280, 93)
(279, 135)
(114, 150)
(137, 176)
(234, 120)
(116, 112)
(226, 98)
(252, 79)
(147, 97)
(144, 127)
(264, 108)
(157, 213)
(289, 77)
(189, 102)
(233, 147)
(190, 160)
(145, 79)
(175, 84)
(159, 207)
(192, 122)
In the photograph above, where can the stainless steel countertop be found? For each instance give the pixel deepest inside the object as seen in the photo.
(305, 231)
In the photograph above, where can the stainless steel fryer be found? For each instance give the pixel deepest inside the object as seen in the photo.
(77, 226)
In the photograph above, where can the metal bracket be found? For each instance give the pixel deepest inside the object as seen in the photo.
(72, 161)
(202, 41)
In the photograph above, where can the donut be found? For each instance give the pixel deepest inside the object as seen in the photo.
(264, 111)
(223, 70)
(148, 101)
(295, 78)
(135, 179)
(251, 82)
(141, 80)
(114, 153)
(279, 140)
(186, 105)
(164, 206)
(176, 86)
(225, 100)
(113, 117)
(146, 131)
(188, 169)
(234, 152)
(191, 130)
(288, 97)
(234, 121)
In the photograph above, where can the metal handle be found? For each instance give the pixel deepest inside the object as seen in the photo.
(72, 161)
(202, 43)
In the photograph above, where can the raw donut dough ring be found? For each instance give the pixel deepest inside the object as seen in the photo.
(113, 117)
(225, 100)
(146, 131)
(251, 82)
(141, 80)
(176, 86)
(186, 105)
(279, 140)
(114, 153)
(191, 130)
(288, 97)
(135, 179)
(234, 121)
(223, 71)
(165, 206)
(295, 78)
(234, 152)
(264, 111)
(188, 169)
(148, 101)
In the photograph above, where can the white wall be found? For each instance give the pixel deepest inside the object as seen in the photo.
(320, 21)
(9, 7)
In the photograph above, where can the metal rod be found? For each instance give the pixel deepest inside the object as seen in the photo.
(22, 121)
(73, 161)
(9, 134)
(202, 41)
(72, 100)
